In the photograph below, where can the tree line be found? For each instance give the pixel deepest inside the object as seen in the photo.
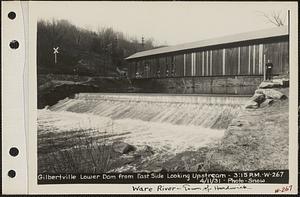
(82, 51)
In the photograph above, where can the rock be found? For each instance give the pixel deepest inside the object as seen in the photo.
(251, 105)
(258, 98)
(271, 94)
(266, 103)
(127, 159)
(145, 151)
(236, 123)
(159, 169)
(122, 147)
(179, 169)
(124, 160)
(285, 83)
(268, 84)
(282, 82)
(197, 167)
(277, 81)
(163, 169)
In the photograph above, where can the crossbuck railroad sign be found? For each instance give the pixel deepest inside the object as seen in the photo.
(55, 52)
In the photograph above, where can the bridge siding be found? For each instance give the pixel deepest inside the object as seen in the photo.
(277, 52)
(217, 58)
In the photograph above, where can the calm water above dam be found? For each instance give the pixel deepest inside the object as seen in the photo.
(226, 91)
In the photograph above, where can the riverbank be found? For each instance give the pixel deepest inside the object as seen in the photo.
(53, 87)
(257, 139)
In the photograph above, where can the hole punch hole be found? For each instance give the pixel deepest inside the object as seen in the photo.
(14, 151)
(14, 44)
(11, 173)
(12, 15)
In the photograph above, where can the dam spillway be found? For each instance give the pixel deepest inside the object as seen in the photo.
(169, 123)
(214, 112)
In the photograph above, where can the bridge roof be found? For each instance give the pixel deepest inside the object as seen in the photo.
(254, 35)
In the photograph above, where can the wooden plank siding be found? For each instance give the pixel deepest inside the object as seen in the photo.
(210, 63)
(244, 60)
(232, 61)
(217, 62)
(278, 54)
(193, 62)
(153, 68)
(260, 59)
(256, 64)
(130, 70)
(138, 67)
(157, 67)
(198, 64)
(179, 61)
(285, 57)
(162, 64)
(168, 66)
(135, 66)
(145, 69)
(142, 69)
(206, 63)
(188, 64)
(172, 66)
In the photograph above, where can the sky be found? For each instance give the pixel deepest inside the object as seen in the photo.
(167, 23)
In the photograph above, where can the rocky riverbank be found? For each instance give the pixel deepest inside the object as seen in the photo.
(257, 139)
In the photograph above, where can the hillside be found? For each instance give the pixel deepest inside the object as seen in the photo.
(82, 51)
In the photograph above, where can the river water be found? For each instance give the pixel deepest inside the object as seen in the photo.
(168, 123)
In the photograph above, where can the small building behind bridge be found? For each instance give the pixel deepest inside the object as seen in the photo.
(232, 64)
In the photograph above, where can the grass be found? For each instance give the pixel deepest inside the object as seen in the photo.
(75, 151)
(88, 157)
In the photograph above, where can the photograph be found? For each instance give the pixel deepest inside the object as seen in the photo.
(162, 87)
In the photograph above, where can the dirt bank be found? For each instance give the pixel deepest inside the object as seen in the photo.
(257, 139)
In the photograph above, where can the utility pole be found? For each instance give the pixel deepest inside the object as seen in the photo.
(143, 44)
(116, 42)
(105, 59)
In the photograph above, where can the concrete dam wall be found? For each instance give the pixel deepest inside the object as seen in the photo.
(214, 112)
(167, 124)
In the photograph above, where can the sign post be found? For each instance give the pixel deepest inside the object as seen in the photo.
(55, 52)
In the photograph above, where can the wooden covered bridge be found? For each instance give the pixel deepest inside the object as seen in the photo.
(235, 60)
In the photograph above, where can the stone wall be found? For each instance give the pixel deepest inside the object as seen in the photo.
(239, 85)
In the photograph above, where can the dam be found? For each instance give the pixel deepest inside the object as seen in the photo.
(197, 110)
(170, 124)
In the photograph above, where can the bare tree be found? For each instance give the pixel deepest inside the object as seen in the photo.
(275, 17)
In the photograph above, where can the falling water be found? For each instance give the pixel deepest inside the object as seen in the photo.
(168, 123)
(215, 112)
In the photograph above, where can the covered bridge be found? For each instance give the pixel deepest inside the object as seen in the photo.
(235, 56)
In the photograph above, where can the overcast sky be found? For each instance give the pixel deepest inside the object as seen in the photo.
(166, 22)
